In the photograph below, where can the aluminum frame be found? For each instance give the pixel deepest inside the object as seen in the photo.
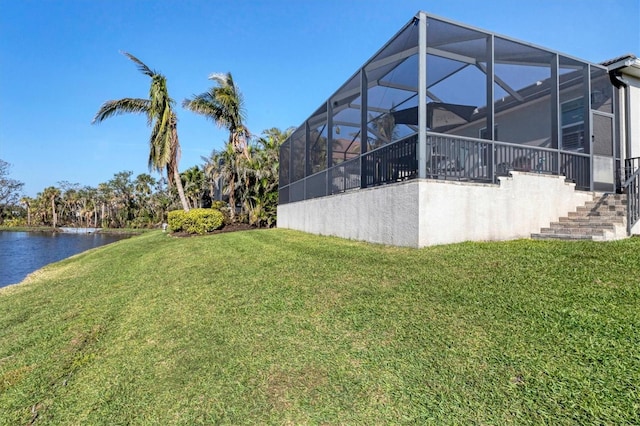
(381, 69)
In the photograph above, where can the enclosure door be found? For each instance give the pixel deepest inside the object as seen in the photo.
(603, 153)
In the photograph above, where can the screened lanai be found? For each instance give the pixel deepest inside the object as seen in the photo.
(423, 105)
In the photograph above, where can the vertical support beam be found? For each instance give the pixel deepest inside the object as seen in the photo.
(422, 95)
(307, 149)
(588, 130)
(555, 111)
(490, 78)
(364, 102)
(490, 94)
(329, 146)
(291, 160)
(307, 162)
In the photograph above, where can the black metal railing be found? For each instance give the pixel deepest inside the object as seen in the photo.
(447, 157)
(454, 158)
(477, 160)
(391, 163)
(345, 176)
(631, 187)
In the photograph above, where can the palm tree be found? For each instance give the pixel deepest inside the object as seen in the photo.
(194, 186)
(104, 196)
(222, 169)
(224, 104)
(51, 195)
(262, 198)
(164, 152)
(27, 201)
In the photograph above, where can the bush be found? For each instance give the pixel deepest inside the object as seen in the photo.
(175, 220)
(223, 207)
(14, 222)
(195, 221)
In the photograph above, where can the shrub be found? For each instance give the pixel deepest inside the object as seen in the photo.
(175, 220)
(223, 207)
(14, 222)
(201, 221)
(195, 221)
(219, 205)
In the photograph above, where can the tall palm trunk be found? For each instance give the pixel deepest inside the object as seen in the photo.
(232, 198)
(53, 211)
(178, 182)
(173, 162)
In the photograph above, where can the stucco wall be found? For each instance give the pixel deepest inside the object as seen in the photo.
(386, 214)
(427, 212)
(634, 93)
(521, 205)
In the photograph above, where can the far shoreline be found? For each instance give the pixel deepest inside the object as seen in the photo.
(103, 231)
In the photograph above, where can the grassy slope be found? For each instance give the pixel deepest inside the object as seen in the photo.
(276, 326)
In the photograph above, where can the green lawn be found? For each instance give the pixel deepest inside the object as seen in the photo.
(281, 327)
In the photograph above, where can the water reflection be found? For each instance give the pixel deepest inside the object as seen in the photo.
(24, 252)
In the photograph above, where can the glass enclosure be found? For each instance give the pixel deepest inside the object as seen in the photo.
(540, 106)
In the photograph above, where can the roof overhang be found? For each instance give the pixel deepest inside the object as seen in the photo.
(629, 65)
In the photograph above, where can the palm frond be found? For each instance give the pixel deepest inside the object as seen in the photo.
(141, 66)
(159, 147)
(223, 79)
(205, 105)
(159, 95)
(121, 106)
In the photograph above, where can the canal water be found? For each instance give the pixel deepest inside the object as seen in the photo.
(24, 252)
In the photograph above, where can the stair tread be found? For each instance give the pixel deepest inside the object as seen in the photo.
(560, 237)
(588, 224)
(598, 219)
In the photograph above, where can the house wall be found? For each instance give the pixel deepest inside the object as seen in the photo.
(421, 213)
(634, 111)
(385, 214)
(522, 204)
(634, 92)
(532, 119)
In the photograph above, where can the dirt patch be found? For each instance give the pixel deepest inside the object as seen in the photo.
(286, 388)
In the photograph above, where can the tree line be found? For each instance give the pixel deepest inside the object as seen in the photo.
(244, 173)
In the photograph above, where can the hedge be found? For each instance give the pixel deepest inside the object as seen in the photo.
(195, 221)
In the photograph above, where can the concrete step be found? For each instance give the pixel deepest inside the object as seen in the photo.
(560, 237)
(586, 224)
(597, 213)
(574, 231)
(602, 207)
(599, 220)
(610, 203)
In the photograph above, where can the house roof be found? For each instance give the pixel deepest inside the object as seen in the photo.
(627, 64)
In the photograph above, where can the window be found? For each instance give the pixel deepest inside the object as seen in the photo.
(572, 121)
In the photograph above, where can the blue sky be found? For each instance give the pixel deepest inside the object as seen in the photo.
(60, 60)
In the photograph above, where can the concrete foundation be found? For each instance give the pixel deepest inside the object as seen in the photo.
(421, 213)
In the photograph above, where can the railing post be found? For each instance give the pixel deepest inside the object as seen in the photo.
(491, 167)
